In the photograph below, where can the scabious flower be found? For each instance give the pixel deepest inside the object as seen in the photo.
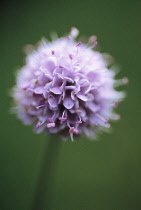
(65, 87)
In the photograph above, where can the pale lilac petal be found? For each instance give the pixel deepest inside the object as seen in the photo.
(39, 90)
(53, 102)
(82, 97)
(49, 66)
(68, 103)
(42, 79)
(93, 107)
(56, 90)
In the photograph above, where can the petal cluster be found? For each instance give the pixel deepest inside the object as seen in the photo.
(65, 87)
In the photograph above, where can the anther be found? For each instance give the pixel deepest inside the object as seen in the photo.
(34, 81)
(26, 87)
(50, 125)
(125, 80)
(50, 120)
(95, 43)
(52, 52)
(79, 44)
(38, 107)
(61, 67)
(69, 37)
(79, 111)
(71, 56)
(92, 39)
(73, 130)
(116, 117)
(103, 119)
(74, 32)
(115, 104)
(79, 122)
(122, 81)
(38, 124)
(62, 118)
(106, 120)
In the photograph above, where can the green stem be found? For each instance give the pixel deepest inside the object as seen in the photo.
(43, 199)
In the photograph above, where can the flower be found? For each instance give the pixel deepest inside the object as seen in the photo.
(65, 87)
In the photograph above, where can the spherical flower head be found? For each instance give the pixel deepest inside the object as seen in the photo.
(65, 87)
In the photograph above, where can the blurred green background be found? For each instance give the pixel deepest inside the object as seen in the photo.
(100, 175)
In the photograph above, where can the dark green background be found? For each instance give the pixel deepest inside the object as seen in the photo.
(100, 175)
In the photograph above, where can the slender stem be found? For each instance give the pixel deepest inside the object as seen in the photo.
(44, 192)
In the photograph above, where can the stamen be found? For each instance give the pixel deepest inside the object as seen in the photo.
(50, 125)
(39, 124)
(79, 44)
(125, 80)
(71, 56)
(116, 117)
(92, 42)
(92, 39)
(106, 120)
(74, 32)
(71, 136)
(108, 125)
(68, 124)
(95, 44)
(26, 87)
(73, 130)
(38, 107)
(69, 37)
(79, 111)
(35, 81)
(62, 118)
(103, 119)
(52, 52)
(50, 120)
(78, 122)
(115, 104)
(122, 81)
(61, 67)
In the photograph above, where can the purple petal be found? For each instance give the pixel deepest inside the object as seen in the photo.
(68, 74)
(53, 102)
(93, 107)
(93, 76)
(81, 112)
(50, 65)
(85, 89)
(39, 90)
(56, 90)
(47, 86)
(48, 76)
(42, 79)
(82, 97)
(57, 81)
(68, 103)
(73, 95)
(69, 79)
